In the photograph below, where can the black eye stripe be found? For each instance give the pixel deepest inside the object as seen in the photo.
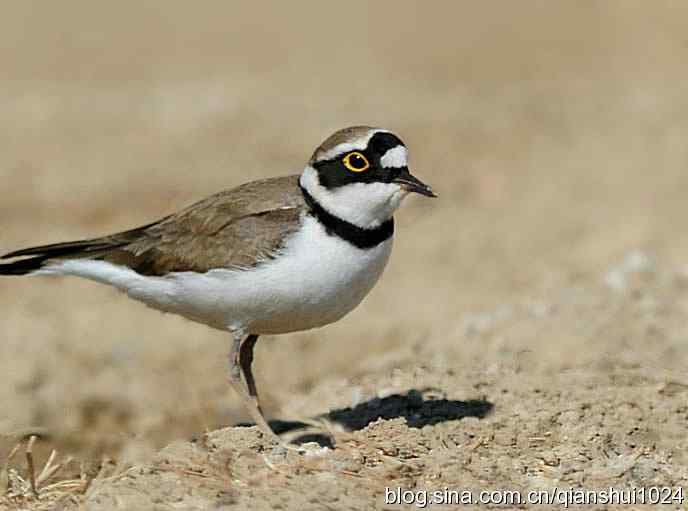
(334, 172)
(340, 159)
(380, 143)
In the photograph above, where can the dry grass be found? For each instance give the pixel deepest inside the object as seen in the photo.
(60, 483)
(45, 489)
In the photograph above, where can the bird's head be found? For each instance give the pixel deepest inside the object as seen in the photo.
(361, 175)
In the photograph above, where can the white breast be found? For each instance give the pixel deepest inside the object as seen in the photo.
(316, 280)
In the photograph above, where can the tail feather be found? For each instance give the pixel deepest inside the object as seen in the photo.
(40, 255)
(34, 258)
(62, 249)
(23, 266)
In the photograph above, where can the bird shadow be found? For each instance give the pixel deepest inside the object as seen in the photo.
(417, 410)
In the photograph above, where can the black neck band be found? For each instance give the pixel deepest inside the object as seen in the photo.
(357, 236)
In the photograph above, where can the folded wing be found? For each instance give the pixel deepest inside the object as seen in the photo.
(237, 228)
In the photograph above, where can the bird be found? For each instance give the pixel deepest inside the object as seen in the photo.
(268, 257)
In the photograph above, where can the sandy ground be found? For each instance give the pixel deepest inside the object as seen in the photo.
(531, 330)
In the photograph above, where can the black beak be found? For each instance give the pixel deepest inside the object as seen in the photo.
(412, 184)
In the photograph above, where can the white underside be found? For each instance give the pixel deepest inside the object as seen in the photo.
(366, 205)
(316, 280)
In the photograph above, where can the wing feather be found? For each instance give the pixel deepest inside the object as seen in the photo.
(237, 228)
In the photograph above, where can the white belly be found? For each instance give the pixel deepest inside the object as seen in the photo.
(316, 280)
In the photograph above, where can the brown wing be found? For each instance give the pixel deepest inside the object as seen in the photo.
(234, 228)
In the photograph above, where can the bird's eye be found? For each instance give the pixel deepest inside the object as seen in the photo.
(356, 162)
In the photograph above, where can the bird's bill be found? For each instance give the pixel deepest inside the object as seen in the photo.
(411, 183)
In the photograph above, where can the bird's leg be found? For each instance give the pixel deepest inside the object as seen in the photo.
(250, 398)
(245, 361)
(240, 361)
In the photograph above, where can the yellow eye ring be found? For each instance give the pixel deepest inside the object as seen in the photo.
(356, 162)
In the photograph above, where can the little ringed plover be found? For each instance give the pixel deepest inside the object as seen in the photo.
(267, 257)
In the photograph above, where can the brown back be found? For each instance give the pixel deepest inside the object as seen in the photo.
(237, 228)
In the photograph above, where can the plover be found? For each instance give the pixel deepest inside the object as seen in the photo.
(268, 257)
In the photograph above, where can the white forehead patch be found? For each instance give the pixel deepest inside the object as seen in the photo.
(395, 157)
(357, 144)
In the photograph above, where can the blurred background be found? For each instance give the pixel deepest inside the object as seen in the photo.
(554, 132)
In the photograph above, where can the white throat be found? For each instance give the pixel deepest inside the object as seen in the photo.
(366, 205)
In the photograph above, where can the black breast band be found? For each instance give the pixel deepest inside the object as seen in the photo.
(357, 236)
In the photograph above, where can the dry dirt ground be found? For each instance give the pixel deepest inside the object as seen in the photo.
(530, 332)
